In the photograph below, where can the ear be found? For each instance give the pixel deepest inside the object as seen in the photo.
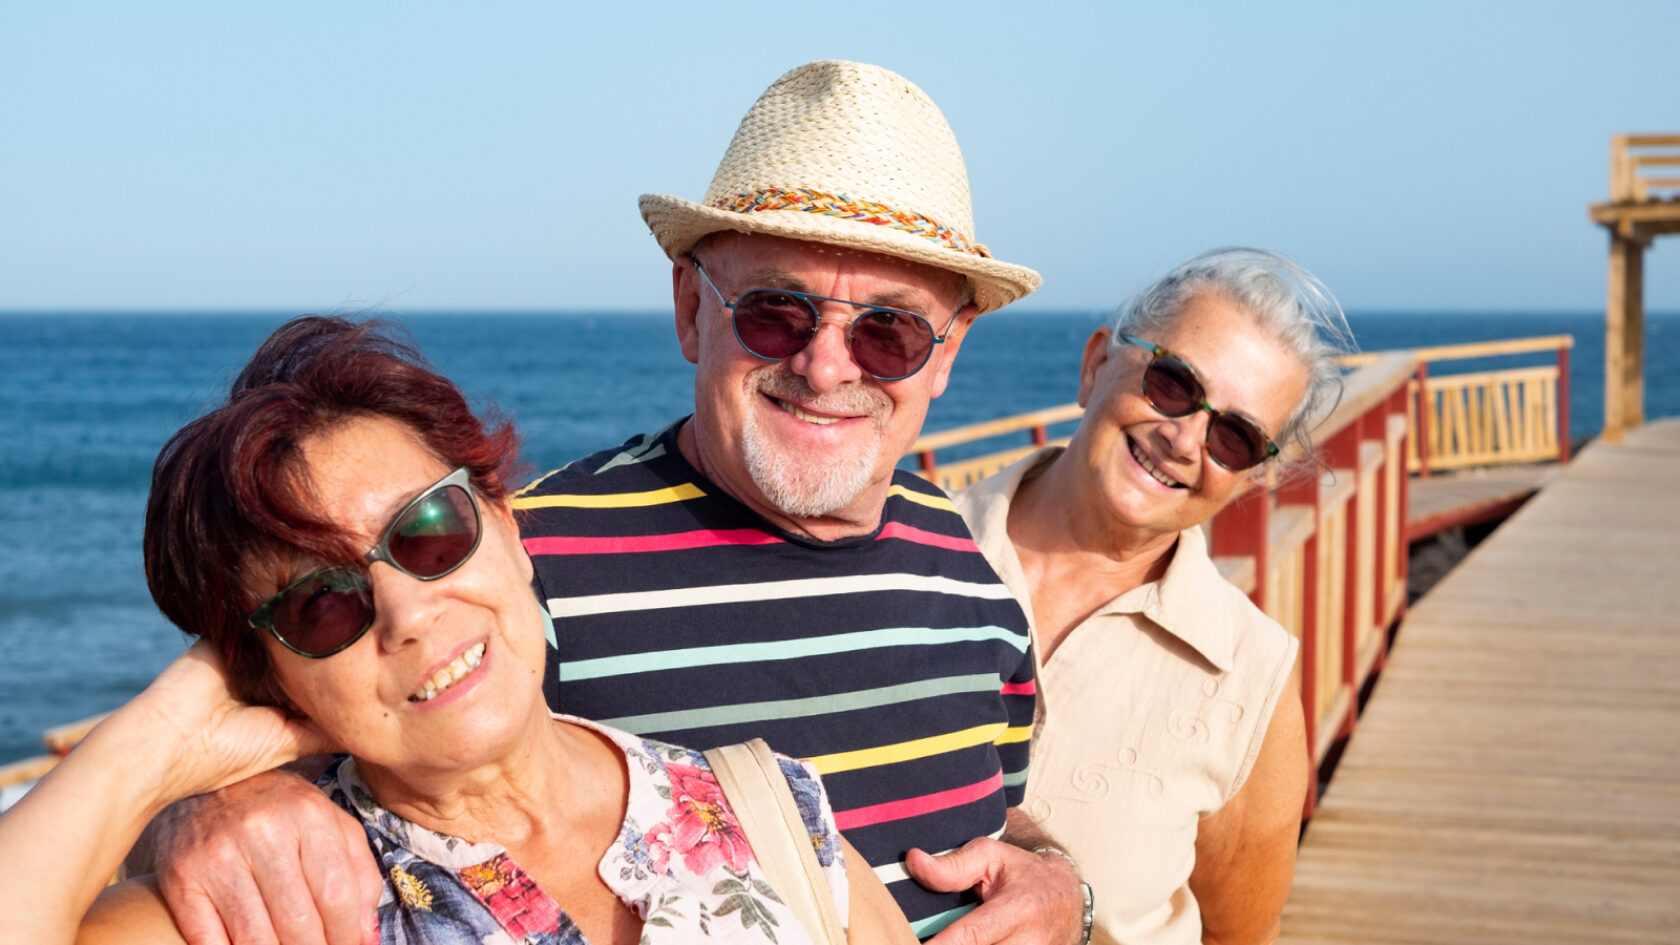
(1097, 350)
(502, 513)
(685, 298)
(946, 354)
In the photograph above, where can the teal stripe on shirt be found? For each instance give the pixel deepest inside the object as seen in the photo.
(935, 923)
(695, 656)
(746, 712)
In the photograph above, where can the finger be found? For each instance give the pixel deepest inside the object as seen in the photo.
(369, 878)
(231, 913)
(963, 868)
(198, 920)
(340, 864)
(371, 884)
(982, 926)
(281, 878)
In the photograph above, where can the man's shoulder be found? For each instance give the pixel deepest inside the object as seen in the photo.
(643, 461)
(915, 501)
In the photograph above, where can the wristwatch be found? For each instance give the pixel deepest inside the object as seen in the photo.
(1090, 917)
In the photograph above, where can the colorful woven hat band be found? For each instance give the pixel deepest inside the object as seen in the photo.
(862, 211)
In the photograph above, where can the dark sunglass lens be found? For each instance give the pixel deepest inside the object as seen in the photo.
(773, 324)
(324, 613)
(1235, 442)
(1171, 386)
(891, 345)
(436, 534)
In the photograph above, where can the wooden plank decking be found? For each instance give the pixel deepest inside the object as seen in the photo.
(1471, 496)
(1516, 776)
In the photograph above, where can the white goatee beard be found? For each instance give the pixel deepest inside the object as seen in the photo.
(802, 486)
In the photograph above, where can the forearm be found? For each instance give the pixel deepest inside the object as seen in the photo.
(63, 841)
(1022, 831)
(142, 858)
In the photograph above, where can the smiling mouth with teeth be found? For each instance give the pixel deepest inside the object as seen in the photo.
(807, 417)
(451, 674)
(1152, 469)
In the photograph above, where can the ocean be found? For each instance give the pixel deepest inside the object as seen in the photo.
(90, 397)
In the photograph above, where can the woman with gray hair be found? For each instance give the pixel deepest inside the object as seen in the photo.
(1169, 753)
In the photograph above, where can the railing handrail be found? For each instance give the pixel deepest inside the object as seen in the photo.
(1370, 371)
(1627, 185)
(59, 740)
(998, 427)
(1365, 388)
(1351, 402)
(1472, 349)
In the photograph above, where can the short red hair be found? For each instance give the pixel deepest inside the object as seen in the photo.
(230, 489)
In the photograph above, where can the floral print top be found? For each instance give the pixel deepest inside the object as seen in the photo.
(680, 862)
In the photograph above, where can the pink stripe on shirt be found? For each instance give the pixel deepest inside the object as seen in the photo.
(916, 806)
(626, 544)
(917, 535)
(712, 537)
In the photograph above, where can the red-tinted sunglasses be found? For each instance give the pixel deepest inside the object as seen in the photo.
(889, 343)
(325, 611)
(1172, 387)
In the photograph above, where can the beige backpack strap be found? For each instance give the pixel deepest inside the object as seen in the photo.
(764, 806)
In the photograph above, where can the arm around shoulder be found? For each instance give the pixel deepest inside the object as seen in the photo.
(183, 735)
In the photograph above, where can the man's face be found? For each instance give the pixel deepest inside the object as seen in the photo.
(810, 441)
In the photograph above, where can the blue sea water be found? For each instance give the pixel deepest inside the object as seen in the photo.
(89, 398)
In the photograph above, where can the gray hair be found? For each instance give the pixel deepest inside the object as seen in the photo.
(1283, 299)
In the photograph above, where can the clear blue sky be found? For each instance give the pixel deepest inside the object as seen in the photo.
(310, 155)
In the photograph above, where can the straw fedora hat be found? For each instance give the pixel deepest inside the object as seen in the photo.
(850, 155)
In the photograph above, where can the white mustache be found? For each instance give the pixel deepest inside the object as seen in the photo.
(779, 381)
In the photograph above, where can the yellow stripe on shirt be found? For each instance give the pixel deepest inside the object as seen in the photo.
(921, 498)
(907, 751)
(1013, 734)
(617, 500)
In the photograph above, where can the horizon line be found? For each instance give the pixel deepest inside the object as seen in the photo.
(633, 312)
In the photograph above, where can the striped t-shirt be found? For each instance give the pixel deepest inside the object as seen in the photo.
(896, 662)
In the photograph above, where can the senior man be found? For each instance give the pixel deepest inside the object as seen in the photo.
(760, 568)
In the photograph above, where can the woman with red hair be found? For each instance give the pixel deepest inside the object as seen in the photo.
(338, 538)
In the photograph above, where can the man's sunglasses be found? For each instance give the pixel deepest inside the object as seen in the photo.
(325, 611)
(1172, 388)
(889, 343)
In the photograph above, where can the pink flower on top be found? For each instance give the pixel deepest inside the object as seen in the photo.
(699, 826)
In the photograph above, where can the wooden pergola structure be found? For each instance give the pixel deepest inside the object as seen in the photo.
(1641, 208)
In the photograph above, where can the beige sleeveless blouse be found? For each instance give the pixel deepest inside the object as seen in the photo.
(1150, 717)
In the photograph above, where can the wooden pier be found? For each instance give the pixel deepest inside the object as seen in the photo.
(1643, 205)
(1516, 774)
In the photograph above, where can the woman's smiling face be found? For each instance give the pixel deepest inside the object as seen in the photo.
(449, 675)
(1149, 474)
